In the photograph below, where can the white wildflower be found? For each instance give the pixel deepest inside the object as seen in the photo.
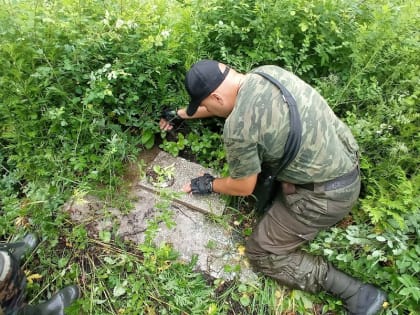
(106, 18)
(112, 75)
(165, 34)
(119, 23)
(131, 24)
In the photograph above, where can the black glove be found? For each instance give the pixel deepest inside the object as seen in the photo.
(202, 185)
(170, 115)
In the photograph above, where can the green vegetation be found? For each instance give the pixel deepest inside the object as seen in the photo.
(82, 84)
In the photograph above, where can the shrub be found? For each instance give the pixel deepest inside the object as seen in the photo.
(82, 85)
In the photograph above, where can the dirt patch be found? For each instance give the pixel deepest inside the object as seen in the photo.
(132, 172)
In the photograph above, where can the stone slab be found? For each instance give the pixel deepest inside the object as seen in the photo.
(218, 249)
(155, 198)
(180, 172)
(219, 252)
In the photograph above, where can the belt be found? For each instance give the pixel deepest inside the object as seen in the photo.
(336, 183)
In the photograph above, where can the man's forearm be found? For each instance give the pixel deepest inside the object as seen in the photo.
(235, 187)
(200, 113)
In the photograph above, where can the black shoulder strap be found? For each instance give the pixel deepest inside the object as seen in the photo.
(294, 138)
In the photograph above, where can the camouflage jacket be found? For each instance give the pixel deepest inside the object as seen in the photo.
(257, 129)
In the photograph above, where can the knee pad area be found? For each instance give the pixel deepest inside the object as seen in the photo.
(296, 270)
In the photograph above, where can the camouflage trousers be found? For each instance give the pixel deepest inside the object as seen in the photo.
(293, 220)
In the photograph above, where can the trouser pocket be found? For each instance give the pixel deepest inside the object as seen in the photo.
(307, 206)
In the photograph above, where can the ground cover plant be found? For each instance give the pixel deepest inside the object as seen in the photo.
(82, 84)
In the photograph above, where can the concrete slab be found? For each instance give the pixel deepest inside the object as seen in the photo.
(157, 196)
(191, 233)
(219, 252)
(172, 173)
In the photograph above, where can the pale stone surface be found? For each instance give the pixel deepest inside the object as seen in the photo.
(216, 247)
(219, 251)
(181, 171)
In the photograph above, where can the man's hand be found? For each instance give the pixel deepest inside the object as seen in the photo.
(229, 186)
(168, 118)
(202, 185)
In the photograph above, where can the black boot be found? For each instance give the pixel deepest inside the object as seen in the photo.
(54, 306)
(21, 247)
(359, 298)
(12, 284)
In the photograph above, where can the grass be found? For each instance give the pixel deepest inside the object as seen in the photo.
(123, 277)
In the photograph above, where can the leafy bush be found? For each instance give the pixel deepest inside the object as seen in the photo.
(81, 89)
(385, 258)
(311, 38)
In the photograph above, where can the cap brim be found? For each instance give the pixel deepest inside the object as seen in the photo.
(192, 107)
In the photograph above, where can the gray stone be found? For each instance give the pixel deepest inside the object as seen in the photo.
(180, 172)
(219, 251)
(193, 230)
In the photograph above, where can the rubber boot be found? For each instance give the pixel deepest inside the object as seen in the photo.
(359, 298)
(21, 247)
(56, 305)
(12, 284)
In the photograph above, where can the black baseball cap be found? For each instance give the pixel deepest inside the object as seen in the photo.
(201, 80)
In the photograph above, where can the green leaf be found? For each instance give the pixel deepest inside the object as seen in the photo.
(303, 26)
(105, 236)
(109, 260)
(381, 238)
(245, 300)
(242, 288)
(148, 139)
(62, 262)
(119, 290)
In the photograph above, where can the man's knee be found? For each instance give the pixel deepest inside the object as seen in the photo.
(260, 259)
(296, 269)
(277, 267)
